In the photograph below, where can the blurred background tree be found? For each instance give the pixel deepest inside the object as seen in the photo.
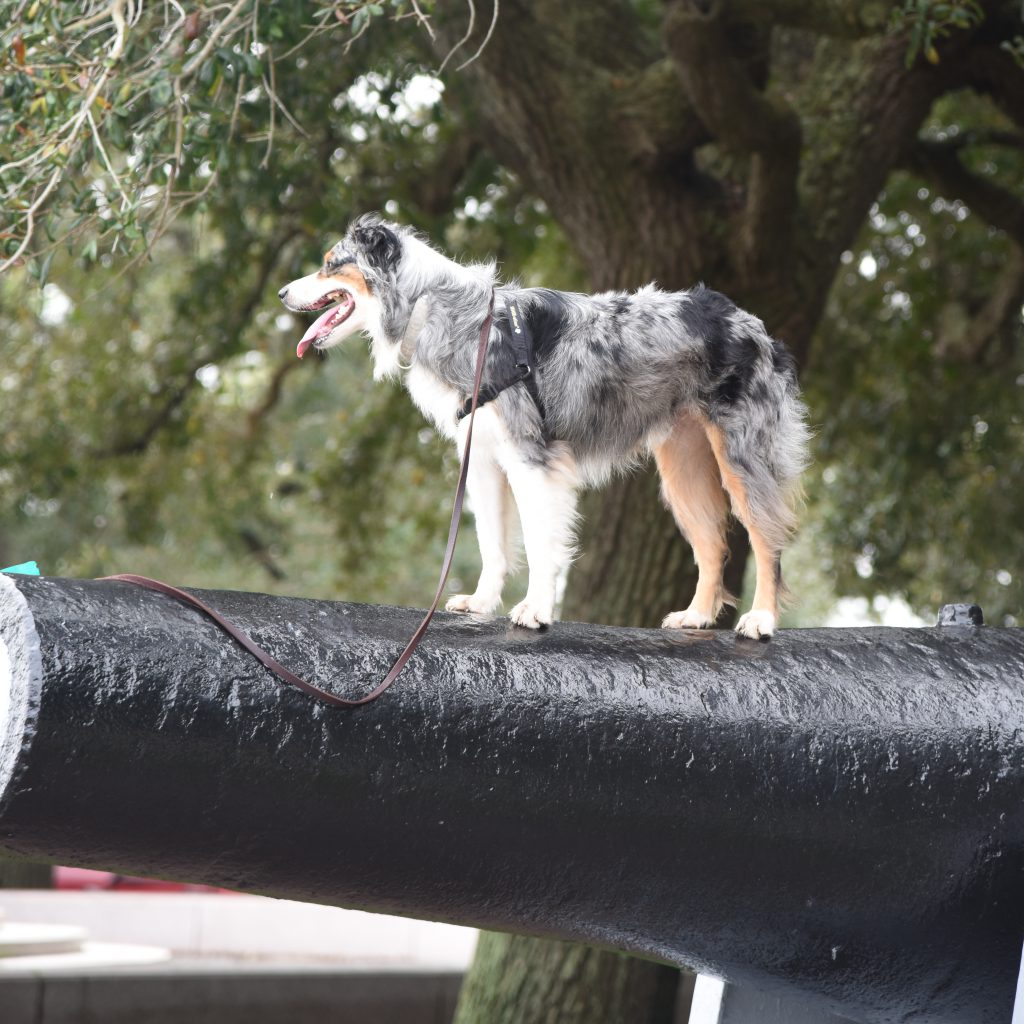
(850, 171)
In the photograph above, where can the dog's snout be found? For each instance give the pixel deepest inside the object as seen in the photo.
(283, 292)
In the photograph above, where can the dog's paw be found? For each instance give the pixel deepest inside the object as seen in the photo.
(758, 625)
(530, 614)
(471, 603)
(690, 619)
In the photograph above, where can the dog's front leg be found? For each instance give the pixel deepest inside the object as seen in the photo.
(546, 498)
(490, 500)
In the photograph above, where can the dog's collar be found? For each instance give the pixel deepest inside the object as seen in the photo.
(417, 320)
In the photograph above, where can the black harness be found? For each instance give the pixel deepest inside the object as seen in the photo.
(516, 334)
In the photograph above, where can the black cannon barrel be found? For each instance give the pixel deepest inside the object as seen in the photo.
(838, 812)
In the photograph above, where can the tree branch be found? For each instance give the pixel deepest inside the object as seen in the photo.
(1011, 140)
(990, 70)
(940, 163)
(743, 118)
(445, 171)
(653, 118)
(575, 98)
(260, 551)
(718, 84)
(137, 444)
(861, 107)
(849, 19)
(256, 416)
(968, 337)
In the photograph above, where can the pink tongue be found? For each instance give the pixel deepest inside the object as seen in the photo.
(314, 330)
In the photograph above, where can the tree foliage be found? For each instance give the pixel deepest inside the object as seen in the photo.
(921, 405)
(119, 115)
(165, 420)
(198, 157)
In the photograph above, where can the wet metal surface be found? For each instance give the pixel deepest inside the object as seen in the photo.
(837, 812)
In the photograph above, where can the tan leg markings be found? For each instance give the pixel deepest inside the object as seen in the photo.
(693, 491)
(759, 622)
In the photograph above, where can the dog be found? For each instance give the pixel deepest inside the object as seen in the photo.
(687, 376)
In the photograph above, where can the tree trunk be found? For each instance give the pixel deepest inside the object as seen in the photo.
(18, 873)
(634, 565)
(610, 127)
(516, 979)
(634, 568)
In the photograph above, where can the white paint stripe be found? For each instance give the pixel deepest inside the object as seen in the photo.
(6, 685)
(706, 1007)
(21, 673)
(1018, 1003)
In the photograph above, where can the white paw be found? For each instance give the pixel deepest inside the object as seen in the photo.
(479, 604)
(690, 619)
(758, 625)
(530, 614)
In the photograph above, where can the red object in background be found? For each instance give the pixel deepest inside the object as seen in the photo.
(83, 878)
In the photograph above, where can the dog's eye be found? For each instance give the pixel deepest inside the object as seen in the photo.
(333, 266)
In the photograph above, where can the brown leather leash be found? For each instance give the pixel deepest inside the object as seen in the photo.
(453, 532)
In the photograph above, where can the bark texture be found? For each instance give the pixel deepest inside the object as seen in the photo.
(738, 143)
(16, 873)
(516, 978)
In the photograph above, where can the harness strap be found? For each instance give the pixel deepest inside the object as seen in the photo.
(453, 532)
(520, 341)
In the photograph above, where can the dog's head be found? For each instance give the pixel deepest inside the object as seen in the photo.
(349, 284)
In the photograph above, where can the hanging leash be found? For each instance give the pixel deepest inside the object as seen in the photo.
(453, 532)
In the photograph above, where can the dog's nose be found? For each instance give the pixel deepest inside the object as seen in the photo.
(283, 292)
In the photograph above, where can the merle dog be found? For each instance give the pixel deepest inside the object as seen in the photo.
(685, 375)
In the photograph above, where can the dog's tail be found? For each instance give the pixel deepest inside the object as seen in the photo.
(764, 423)
(788, 446)
(788, 441)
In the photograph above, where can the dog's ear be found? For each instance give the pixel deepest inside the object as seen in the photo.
(379, 243)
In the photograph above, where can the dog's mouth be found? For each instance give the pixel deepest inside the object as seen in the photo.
(324, 324)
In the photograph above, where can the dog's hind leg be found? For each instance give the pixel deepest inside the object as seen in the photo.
(760, 502)
(692, 489)
(491, 502)
(546, 499)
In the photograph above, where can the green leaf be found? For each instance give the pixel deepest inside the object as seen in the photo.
(44, 267)
(116, 133)
(162, 92)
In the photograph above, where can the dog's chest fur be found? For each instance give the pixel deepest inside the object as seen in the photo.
(438, 401)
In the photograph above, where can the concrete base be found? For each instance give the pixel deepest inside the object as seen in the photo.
(31, 940)
(88, 956)
(238, 926)
(210, 993)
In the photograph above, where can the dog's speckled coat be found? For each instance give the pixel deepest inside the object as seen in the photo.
(687, 376)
